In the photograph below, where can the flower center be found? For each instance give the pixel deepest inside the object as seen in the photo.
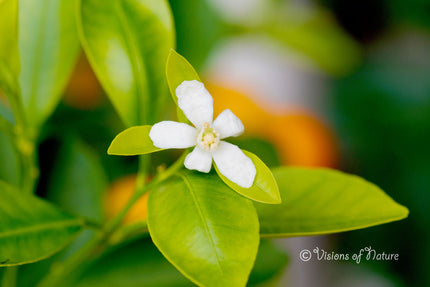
(208, 138)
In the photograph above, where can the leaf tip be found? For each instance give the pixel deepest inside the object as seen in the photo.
(172, 53)
(111, 148)
(277, 201)
(273, 200)
(277, 194)
(109, 151)
(403, 211)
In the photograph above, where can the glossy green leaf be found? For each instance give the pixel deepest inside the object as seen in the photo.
(264, 188)
(32, 229)
(207, 231)
(9, 33)
(9, 58)
(133, 141)
(127, 43)
(48, 47)
(266, 150)
(178, 69)
(134, 265)
(322, 201)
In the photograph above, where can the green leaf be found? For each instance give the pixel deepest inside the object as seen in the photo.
(178, 69)
(48, 47)
(9, 33)
(207, 231)
(133, 141)
(322, 201)
(9, 57)
(127, 43)
(32, 229)
(134, 265)
(264, 188)
(266, 150)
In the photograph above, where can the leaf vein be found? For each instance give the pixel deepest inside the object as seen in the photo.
(137, 63)
(202, 218)
(40, 227)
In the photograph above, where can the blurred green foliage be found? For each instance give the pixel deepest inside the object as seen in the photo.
(383, 116)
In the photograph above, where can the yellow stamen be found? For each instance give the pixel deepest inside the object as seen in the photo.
(208, 138)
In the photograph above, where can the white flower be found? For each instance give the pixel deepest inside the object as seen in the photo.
(197, 104)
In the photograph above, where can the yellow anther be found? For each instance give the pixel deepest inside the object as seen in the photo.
(208, 138)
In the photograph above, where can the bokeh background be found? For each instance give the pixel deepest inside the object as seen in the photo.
(331, 83)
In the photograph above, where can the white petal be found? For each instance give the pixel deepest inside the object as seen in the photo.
(196, 102)
(199, 159)
(170, 134)
(228, 125)
(234, 164)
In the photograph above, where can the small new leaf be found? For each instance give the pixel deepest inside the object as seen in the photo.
(264, 189)
(178, 70)
(133, 141)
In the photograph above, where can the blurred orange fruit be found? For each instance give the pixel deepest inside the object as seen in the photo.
(83, 91)
(303, 140)
(119, 194)
(299, 137)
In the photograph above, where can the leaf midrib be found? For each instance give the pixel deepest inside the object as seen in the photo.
(138, 65)
(196, 202)
(37, 60)
(40, 227)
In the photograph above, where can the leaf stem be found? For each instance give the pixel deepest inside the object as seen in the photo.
(92, 224)
(24, 138)
(142, 174)
(27, 151)
(80, 260)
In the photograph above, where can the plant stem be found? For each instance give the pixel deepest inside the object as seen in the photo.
(95, 247)
(24, 137)
(30, 171)
(142, 174)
